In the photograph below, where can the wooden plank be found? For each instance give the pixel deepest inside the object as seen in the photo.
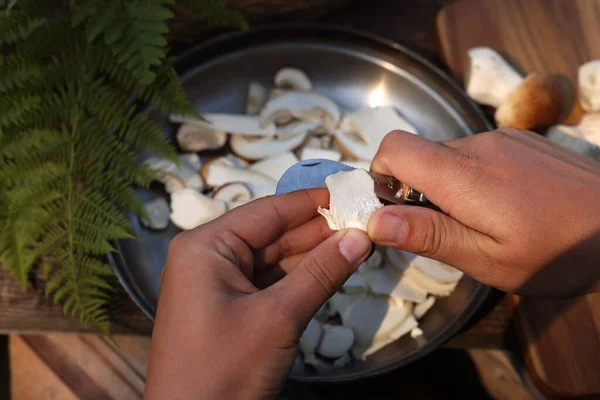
(561, 339)
(31, 378)
(88, 366)
(134, 350)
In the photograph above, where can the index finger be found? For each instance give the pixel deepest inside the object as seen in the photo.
(262, 221)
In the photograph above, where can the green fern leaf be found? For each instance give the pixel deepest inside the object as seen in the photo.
(16, 26)
(15, 72)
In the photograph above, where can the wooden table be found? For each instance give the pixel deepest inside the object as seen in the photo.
(409, 22)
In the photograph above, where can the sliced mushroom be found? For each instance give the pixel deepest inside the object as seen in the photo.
(158, 214)
(217, 174)
(232, 160)
(308, 153)
(536, 102)
(390, 281)
(175, 177)
(292, 78)
(352, 200)
(336, 341)
(366, 165)
(297, 102)
(196, 137)
(416, 332)
(365, 129)
(339, 302)
(318, 142)
(405, 327)
(437, 270)
(190, 209)
(296, 127)
(257, 97)
(236, 124)
(589, 86)
(309, 341)
(421, 308)
(490, 79)
(275, 166)
(233, 194)
(257, 149)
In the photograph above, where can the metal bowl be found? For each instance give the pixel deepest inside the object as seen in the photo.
(356, 70)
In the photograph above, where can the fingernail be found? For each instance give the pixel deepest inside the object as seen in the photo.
(390, 229)
(354, 245)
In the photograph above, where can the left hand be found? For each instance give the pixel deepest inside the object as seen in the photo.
(238, 292)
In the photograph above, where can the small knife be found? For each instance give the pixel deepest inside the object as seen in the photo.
(310, 174)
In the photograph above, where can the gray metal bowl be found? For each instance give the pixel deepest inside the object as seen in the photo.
(356, 70)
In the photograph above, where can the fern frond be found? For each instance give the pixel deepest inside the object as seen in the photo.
(16, 106)
(16, 72)
(215, 12)
(17, 26)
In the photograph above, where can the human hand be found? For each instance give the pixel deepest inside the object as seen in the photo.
(520, 213)
(237, 293)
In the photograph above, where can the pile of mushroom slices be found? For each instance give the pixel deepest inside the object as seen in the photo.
(538, 100)
(384, 299)
(281, 126)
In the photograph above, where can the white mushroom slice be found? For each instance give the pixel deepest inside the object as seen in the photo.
(342, 361)
(309, 341)
(590, 128)
(190, 209)
(232, 160)
(175, 177)
(297, 102)
(373, 318)
(490, 79)
(257, 97)
(318, 142)
(421, 308)
(236, 124)
(297, 127)
(391, 282)
(235, 193)
(355, 283)
(405, 327)
(336, 341)
(352, 200)
(197, 137)
(275, 166)
(417, 277)
(367, 128)
(339, 302)
(308, 153)
(192, 160)
(372, 262)
(292, 78)
(437, 270)
(158, 214)
(416, 332)
(257, 149)
(589, 86)
(276, 93)
(217, 174)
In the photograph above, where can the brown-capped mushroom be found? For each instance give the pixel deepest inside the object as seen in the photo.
(251, 148)
(195, 137)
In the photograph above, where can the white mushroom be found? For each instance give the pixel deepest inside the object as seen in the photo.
(309, 341)
(158, 214)
(358, 164)
(416, 332)
(234, 194)
(190, 209)
(296, 103)
(437, 270)
(336, 341)
(308, 153)
(339, 302)
(257, 97)
(236, 124)
(355, 283)
(391, 281)
(352, 200)
(372, 262)
(196, 137)
(296, 127)
(490, 79)
(192, 160)
(421, 308)
(318, 142)
(405, 327)
(258, 148)
(360, 136)
(292, 78)
(275, 166)
(217, 174)
(175, 177)
(232, 160)
(589, 86)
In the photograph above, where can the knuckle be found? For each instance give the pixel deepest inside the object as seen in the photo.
(178, 243)
(434, 232)
(322, 274)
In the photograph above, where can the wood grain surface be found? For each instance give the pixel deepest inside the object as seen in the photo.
(561, 339)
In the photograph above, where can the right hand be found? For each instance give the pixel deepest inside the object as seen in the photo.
(519, 212)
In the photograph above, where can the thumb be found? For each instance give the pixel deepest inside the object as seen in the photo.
(431, 234)
(321, 273)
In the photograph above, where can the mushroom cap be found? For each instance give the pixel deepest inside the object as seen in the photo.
(259, 148)
(297, 102)
(217, 174)
(536, 102)
(589, 86)
(235, 124)
(490, 78)
(257, 97)
(233, 192)
(175, 177)
(189, 208)
(336, 341)
(158, 214)
(274, 166)
(352, 200)
(196, 137)
(293, 78)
